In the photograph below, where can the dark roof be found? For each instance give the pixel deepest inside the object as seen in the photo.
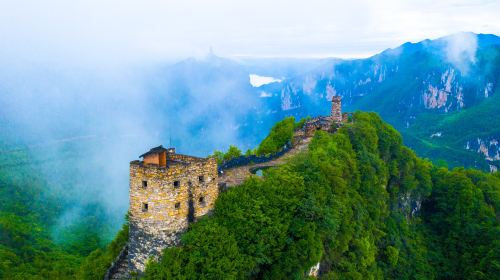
(155, 150)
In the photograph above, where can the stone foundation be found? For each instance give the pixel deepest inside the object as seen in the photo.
(146, 241)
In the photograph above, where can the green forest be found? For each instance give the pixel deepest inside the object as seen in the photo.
(29, 247)
(358, 202)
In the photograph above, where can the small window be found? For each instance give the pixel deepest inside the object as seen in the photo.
(201, 201)
(144, 184)
(201, 179)
(177, 184)
(177, 205)
(144, 207)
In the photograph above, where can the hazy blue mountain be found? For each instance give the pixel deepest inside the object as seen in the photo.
(282, 68)
(212, 98)
(405, 85)
(205, 104)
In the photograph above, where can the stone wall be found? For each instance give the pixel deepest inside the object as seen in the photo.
(163, 200)
(336, 113)
(119, 267)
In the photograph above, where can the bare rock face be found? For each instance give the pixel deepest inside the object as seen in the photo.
(410, 204)
(489, 148)
(488, 89)
(445, 94)
(435, 98)
(289, 98)
(493, 168)
(314, 271)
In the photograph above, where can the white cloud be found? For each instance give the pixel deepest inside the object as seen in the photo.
(122, 31)
(461, 50)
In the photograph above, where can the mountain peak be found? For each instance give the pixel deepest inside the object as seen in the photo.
(210, 54)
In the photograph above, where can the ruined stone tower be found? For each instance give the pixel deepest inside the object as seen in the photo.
(167, 192)
(336, 113)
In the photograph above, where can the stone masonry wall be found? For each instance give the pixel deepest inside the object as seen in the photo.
(172, 194)
(336, 114)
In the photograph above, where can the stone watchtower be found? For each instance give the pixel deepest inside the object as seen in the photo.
(167, 192)
(336, 113)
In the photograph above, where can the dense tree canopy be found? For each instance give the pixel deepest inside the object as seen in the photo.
(280, 134)
(358, 202)
(31, 247)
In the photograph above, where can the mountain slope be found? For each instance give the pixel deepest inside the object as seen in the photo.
(358, 203)
(460, 137)
(432, 77)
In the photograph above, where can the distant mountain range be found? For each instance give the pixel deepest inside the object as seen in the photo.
(428, 90)
(439, 85)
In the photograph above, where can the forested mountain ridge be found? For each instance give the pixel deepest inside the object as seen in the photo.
(360, 204)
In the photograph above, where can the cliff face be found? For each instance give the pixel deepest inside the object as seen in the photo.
(488, 148)
(447, 94)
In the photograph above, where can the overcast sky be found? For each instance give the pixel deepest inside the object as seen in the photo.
(147, 30)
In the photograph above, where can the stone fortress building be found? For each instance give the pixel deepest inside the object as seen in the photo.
(168, 191)
(336, 112)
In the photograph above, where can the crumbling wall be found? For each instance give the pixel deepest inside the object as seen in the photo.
(311, 126)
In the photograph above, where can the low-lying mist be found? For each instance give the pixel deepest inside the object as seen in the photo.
(82, 126)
